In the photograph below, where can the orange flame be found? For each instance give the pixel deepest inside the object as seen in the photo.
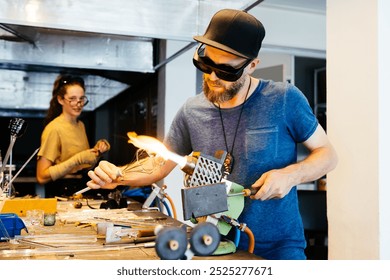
(152, 145)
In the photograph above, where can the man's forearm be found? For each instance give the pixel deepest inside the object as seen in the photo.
(317, 164)
(137, 176)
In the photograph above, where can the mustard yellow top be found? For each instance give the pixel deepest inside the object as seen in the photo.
(62, 139)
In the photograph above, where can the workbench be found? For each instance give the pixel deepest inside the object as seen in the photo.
(75, 235)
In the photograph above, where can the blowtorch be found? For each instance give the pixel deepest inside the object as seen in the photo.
(207, 194)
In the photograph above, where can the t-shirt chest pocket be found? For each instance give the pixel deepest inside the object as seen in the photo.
(261, 143)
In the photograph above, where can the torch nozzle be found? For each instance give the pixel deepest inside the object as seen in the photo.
(189, 166)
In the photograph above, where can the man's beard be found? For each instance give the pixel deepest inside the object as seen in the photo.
(227, 94)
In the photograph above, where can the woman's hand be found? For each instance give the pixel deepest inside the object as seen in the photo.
(102, 146)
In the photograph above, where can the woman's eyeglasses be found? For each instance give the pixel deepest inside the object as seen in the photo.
(223, 71)
(74, 101)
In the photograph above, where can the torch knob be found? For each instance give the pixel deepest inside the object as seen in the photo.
(249, 192)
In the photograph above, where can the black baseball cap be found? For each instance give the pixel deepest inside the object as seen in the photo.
(234, 31)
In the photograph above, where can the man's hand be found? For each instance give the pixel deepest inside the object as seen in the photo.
(275, 183)
(106, 176)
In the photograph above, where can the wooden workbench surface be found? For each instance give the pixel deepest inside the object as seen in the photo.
(75, 236)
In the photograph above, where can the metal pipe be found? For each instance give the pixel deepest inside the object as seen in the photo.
(17, 34)
(254, 4)
(24, 165)
(166, 61)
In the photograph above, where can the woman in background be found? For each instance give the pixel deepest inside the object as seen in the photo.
(65, 155)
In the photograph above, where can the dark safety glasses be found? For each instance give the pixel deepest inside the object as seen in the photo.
(223, 71)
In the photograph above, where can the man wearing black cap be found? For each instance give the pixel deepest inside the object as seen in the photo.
(258, 122)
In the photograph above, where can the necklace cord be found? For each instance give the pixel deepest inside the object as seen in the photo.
(238, 122)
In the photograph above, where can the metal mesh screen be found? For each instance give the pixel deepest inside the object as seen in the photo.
(207, 171)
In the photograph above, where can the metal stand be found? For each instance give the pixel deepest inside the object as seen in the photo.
(156, 192)
(17, 127)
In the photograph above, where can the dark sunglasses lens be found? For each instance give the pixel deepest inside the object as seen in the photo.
(226, 76)
(202, 67)
(230, 77)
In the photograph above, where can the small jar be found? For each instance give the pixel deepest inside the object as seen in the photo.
(49, 219)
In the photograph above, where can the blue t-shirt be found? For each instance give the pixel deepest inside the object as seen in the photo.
(275, 118)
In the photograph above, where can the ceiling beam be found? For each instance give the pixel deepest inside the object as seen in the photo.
(80, 50)
(168, 19)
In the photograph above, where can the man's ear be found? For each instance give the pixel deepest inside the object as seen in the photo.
(253, 65)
